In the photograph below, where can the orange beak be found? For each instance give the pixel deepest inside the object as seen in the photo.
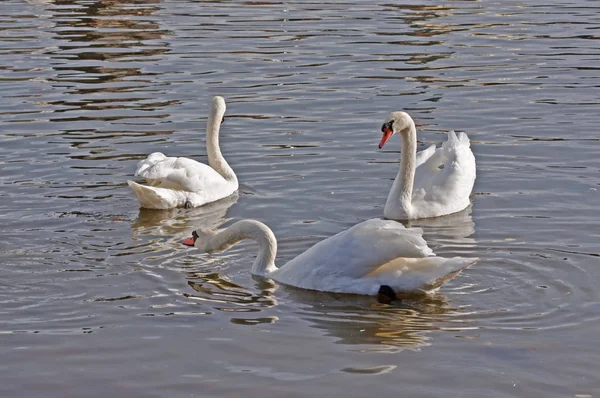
(192, 240)
(387, 133)
(189, 241)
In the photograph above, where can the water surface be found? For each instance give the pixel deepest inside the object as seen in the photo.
(98, 297)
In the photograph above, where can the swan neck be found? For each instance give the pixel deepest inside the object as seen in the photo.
(213, 150)
(408, 160)
(254, 230)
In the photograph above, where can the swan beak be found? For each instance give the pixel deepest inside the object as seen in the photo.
(387, 133)
(192, 240)
(189, 241)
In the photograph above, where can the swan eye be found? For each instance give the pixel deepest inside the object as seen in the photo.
(388, 125)
(195, 235)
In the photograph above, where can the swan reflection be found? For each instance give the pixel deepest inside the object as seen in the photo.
(351, 319)
(226, 296)
(356, 320)
(174, 224)
(456, 229)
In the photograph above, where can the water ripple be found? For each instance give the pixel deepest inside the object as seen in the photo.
(90, 88)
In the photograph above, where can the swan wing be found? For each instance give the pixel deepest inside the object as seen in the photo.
(425, 155)
(355, 252)
(180, 174)
(419, 274)
(448, 174)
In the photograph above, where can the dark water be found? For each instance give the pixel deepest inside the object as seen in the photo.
(99, 298)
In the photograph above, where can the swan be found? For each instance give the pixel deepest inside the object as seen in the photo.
(374, 257)
(182, 182)
(433, 182)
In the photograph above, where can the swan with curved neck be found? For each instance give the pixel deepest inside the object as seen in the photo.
(182, 182)
(364, 259)
(433, 182)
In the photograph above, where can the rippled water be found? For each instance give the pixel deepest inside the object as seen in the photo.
(98, 297)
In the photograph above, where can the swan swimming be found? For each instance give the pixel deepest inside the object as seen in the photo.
(433, 182)
(182, 182)
(374, 257)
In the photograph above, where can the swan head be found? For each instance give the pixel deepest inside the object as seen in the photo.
(200, 239)
(218, 106)
(396, 122)
(155, 157)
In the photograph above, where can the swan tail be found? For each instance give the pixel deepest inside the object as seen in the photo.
(157, 198)
(419, 275)
(456, 140)
(450, 268)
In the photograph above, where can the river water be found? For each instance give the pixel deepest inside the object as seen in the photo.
(98, 297)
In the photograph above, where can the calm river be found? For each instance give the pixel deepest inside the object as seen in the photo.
(98, 298)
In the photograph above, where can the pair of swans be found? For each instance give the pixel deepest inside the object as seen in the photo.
(430, 183)
(375, 257)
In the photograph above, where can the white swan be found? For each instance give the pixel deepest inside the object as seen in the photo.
(372, 255)
(182, 182)
(433, 182)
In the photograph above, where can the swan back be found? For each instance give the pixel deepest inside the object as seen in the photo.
(371, 254)
(444, 182)
(184, 174)
(355, 252)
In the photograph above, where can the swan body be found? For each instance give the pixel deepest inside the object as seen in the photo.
(433, 182)
(182, 182)
(358, 260)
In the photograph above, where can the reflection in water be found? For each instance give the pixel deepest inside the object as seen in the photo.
(350, 319)
(230, 297)
(353, 320)
(357, 320)
(90, 74)
(182, 221)
(102, 54)
(454, 229)
(89, 86)
(201, 270)
(101, 42)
